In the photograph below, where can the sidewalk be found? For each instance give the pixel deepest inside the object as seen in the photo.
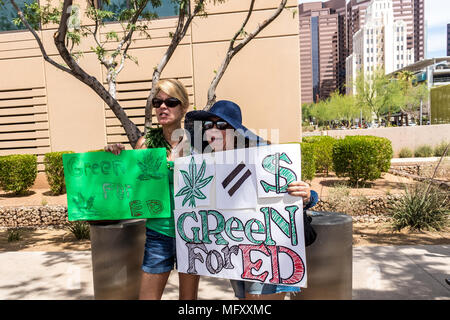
(379, 272)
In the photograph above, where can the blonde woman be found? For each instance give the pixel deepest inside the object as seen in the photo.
(170, 103)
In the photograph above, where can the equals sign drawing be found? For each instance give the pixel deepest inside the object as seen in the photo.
(233, 175)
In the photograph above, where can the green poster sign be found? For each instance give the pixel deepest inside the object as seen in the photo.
(104, 186)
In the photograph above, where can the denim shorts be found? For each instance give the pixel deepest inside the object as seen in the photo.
(240, 287)
(159, 254)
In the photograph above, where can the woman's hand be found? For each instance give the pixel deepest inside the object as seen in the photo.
(300, 189)
(115, 148)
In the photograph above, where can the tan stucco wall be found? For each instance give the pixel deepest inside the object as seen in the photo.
(402, 137)
(263, 78)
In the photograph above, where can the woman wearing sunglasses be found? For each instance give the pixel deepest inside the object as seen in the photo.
(170, 104)
(219, 125)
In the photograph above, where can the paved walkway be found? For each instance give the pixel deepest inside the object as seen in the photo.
(379, 272)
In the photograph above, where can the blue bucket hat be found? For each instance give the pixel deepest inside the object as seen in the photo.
(227, 111)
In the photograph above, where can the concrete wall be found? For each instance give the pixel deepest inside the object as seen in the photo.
(410, 137)
(43, 109)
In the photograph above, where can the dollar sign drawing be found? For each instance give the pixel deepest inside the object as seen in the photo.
(271, 164)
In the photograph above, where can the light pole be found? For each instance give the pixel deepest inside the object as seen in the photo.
(421, 109)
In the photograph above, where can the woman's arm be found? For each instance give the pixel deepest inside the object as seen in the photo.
(140, 144)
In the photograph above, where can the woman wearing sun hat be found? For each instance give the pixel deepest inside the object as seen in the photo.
(219, 126)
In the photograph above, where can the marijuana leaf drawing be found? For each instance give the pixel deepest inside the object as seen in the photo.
(82, 204)
(149, 167)
(194, 183)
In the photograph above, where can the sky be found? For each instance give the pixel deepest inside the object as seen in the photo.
(437, 15)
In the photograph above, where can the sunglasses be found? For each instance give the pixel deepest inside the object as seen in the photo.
(170, 102)
(220, 124)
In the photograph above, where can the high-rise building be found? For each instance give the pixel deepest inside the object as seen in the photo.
(412, 12)
(339, 39)
(322, 49)
(381, 43)
(448, 40)
(419, 30)
(389, 35)
(356, 14)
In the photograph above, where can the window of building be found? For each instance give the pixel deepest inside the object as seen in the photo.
(8, 13)
(167, 8)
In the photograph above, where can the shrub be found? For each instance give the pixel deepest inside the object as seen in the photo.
(80, 229)
(323, 152)
(405, 153)
(423, 151)
(420, 210)
(18, 172)
(361, 158)
(55, 171)
(308, 161)
(440, 149)
(14, 235)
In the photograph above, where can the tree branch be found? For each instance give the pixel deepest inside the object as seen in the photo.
(232, 50)
(131, 129)
(250, 11)
(36, 36)
(179, 34)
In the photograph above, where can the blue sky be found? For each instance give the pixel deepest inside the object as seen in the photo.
(437, 15)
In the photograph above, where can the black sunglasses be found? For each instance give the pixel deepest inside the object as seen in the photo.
(220, 124)
(170, 102)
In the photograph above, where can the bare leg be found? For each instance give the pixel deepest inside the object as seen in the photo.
(273, 296)
(152, 285)
(188, 286)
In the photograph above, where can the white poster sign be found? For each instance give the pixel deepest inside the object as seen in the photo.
(242, 234)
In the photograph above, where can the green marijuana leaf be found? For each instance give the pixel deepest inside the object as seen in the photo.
(149, 167)
(194, 183)
(82, 204)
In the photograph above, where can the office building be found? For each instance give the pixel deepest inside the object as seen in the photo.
(385, 39)
(448, 40)
(322, 49)
(412, 12)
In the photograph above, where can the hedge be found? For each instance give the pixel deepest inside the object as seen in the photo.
(323, 152)
(308, 161)
(18, 172)
(55, 171)
(361, 158)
